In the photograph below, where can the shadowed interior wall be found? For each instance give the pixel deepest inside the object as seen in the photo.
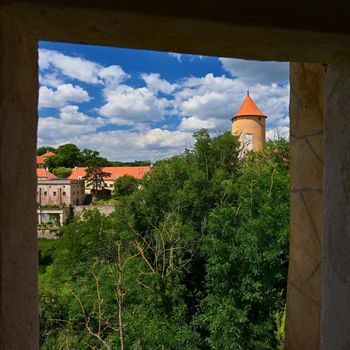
(19, 322)
(255, 29)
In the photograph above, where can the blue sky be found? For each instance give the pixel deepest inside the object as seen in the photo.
(139, 104)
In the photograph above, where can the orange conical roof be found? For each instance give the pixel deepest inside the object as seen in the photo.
(248, 107)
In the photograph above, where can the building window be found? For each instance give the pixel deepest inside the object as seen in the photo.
(54, 193)
(45, 193)
(64, 193)
(249, 141)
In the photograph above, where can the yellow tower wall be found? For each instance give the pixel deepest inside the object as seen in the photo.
(253, 125)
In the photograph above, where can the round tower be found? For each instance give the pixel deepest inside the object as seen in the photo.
(249, 124)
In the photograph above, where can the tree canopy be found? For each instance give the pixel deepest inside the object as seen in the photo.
(125, 186)
(69, 156)
(95, 176)
(197, 259)
(62, 172)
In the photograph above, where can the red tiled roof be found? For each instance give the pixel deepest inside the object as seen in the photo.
(44, 173)
(136, 171)
(40, 160)
(48, 154)
(247, 108)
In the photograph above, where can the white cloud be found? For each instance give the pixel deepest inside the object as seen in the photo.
(70, 66)
(51, 98)
(150, 144)
(70, 115)
(253, 72)
(194, 123)
(208, 97)
(121, 145)
(112, 76)
(179, 56)
(175, 55)
(156, 84)
(79, 68)
(126, 105)
(215, 99)
(50, 79)
(71, 124)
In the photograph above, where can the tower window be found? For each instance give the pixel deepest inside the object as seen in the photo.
(249, 142)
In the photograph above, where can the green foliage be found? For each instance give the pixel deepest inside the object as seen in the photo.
(246, 252)
(87, 155)
(134, 163)
(69, 156)
(46, 251)
(197, 259)
(280, 319)
(66, 156)
(94, 176)
(94, 271)
(125, 186)
(62, 172)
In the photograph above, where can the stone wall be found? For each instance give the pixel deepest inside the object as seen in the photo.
(335, 317)
(306, 147)
(297, 31)
(48, 233)
(105, 209)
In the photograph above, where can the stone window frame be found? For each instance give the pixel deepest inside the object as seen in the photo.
(212, 30)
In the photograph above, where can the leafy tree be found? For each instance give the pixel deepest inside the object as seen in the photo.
(125, 186)
(66, 156)
(88, 156)
(113, 295)
(134, 163)
(246, 253)
(69, 155)
(195, 260)
(62, 172)
(95, 177)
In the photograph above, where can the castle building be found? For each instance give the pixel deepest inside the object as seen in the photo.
(137, 172)
(60, 192)
(249, 125)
